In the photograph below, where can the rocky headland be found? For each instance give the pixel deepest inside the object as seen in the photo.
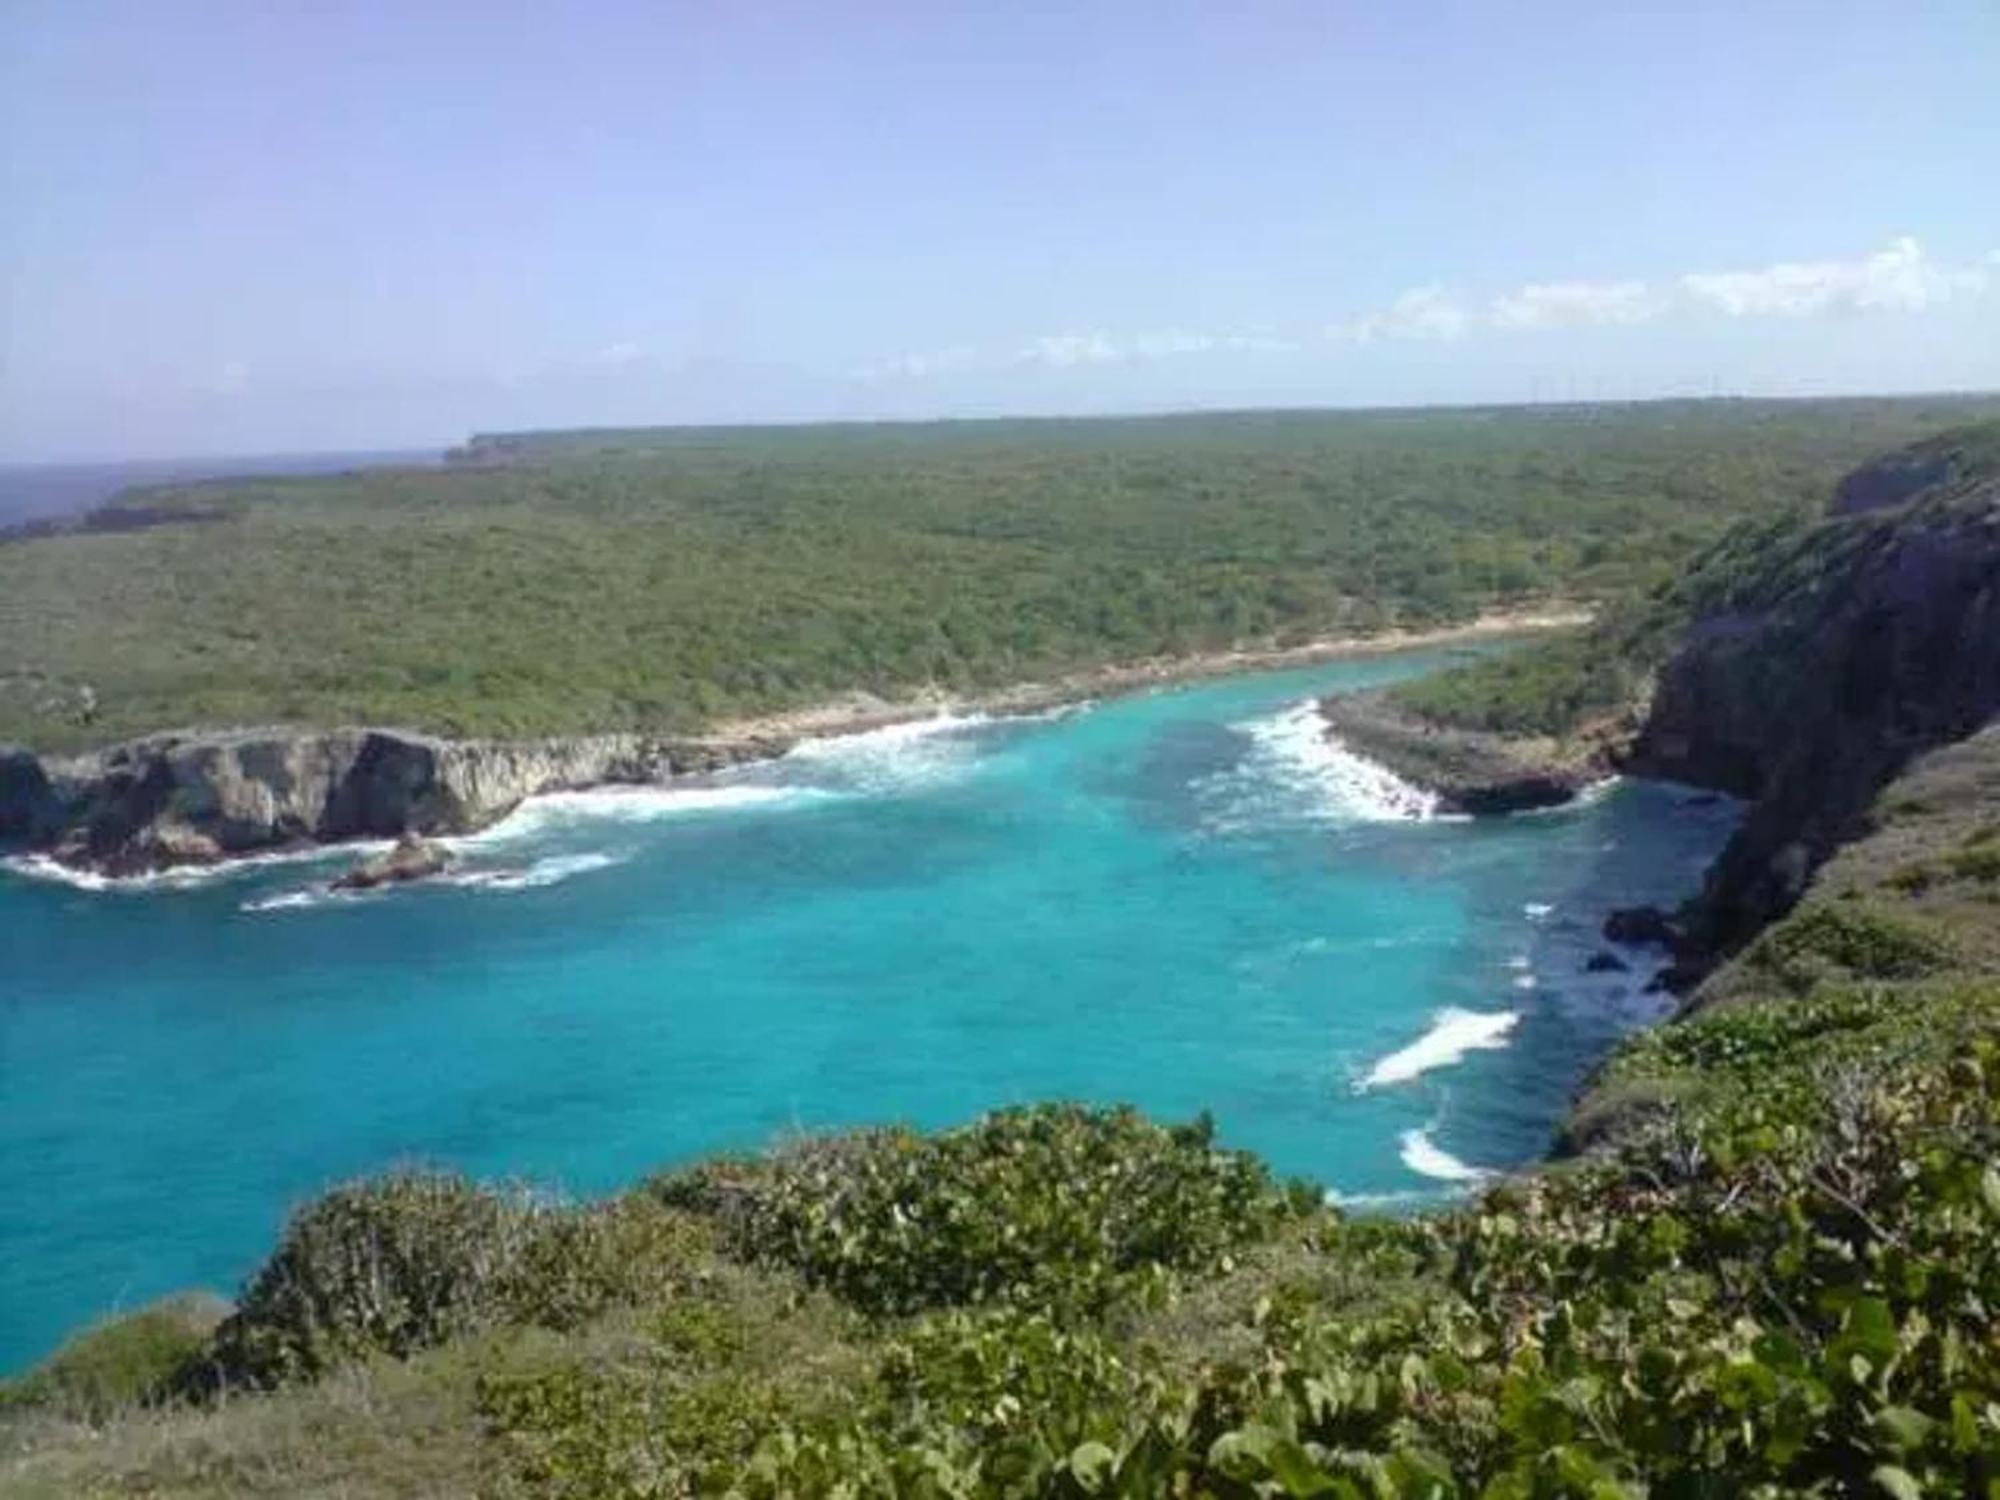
(203, 797)
(200, 796)
(1801, 668)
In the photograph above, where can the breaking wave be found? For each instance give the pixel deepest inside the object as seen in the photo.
(550, 871)
(1295, 771)
(184, 877)
(553, 811)
(1455, 1033)
(894, 758)
(1426, 1158)
(290, 901)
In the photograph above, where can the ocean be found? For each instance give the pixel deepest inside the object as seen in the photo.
(55, 492)
(1186, 900)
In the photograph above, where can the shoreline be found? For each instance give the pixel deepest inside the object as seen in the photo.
(859, 713)
(739, 743)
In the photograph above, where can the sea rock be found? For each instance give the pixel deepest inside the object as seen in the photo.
(412, 859)
(1602, 962)
(1470, 772)
(1641, 924)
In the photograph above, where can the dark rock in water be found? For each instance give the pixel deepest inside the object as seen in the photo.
(1640, 924)
(411, 859)
(1677, 978)
(1606, 963)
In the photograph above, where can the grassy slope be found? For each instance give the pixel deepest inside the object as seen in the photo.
(1778, 1276)
(659, 581)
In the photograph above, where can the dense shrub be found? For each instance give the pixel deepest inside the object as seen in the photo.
(660, 581)
(1052, 1205)
(1856, 940)
(398, 1263)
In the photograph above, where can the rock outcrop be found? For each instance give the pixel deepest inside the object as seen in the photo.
(1814, 702)
(1468, 770)
(1808, 666)
(197, 798)
(413, 858)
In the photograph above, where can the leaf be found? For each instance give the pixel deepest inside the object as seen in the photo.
(1898, 1483)
(1294, 1468)
(1092, 1464)
(1905, 1426)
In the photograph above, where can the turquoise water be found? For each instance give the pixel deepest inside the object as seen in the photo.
(1182, 900)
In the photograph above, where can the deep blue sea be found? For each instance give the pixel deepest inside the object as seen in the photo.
(1185, 900)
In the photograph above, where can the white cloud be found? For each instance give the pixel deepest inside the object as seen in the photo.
(1063, 350)
(1900, 278)
(620, 354)
(1573, 304)
(1897, 278)
(918, 366)
(1425, 312)
(1167, 344)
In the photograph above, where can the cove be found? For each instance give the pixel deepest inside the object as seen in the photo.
(1183, 900)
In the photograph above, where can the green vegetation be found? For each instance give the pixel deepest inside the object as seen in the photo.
(1788, 563)
(667, 580)
(1777, 1276)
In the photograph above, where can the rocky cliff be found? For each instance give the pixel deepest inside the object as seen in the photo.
(1802, 666)
(1814, 694)
(198, 798)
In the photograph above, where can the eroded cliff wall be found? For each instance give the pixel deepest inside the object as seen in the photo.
(195, 798)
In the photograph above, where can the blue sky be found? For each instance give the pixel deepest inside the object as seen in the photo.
(252, 227)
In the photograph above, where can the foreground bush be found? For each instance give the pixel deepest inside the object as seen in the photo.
(399, 1263)
(1056, 1205)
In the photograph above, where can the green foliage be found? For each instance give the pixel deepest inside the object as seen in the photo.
(1551, 687)
(403, 1262)
(1825, 940)
(1055, 1205)
(129, 1361)
(1787, 561)
(663, 581)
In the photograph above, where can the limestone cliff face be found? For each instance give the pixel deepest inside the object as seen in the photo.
(1887, 647)
(196, 798)
(1804, 668)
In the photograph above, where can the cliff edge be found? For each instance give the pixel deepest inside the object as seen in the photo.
(202, 797)
(1802, 665)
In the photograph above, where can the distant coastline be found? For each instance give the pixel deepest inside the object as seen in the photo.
(121, 811)
(36, 497)
(857, 713)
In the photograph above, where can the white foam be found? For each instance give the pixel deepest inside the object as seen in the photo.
(1536, 910)
(1454, 1033)
(289, 901)
(1426, 1158)
(1518, 961)
(542, 872)
(1524, 981)
(1294, 771)
(185, 877)
(1337, 1199)
(896, 757)
(627, 804)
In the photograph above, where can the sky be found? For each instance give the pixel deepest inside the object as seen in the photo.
(252, 228)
